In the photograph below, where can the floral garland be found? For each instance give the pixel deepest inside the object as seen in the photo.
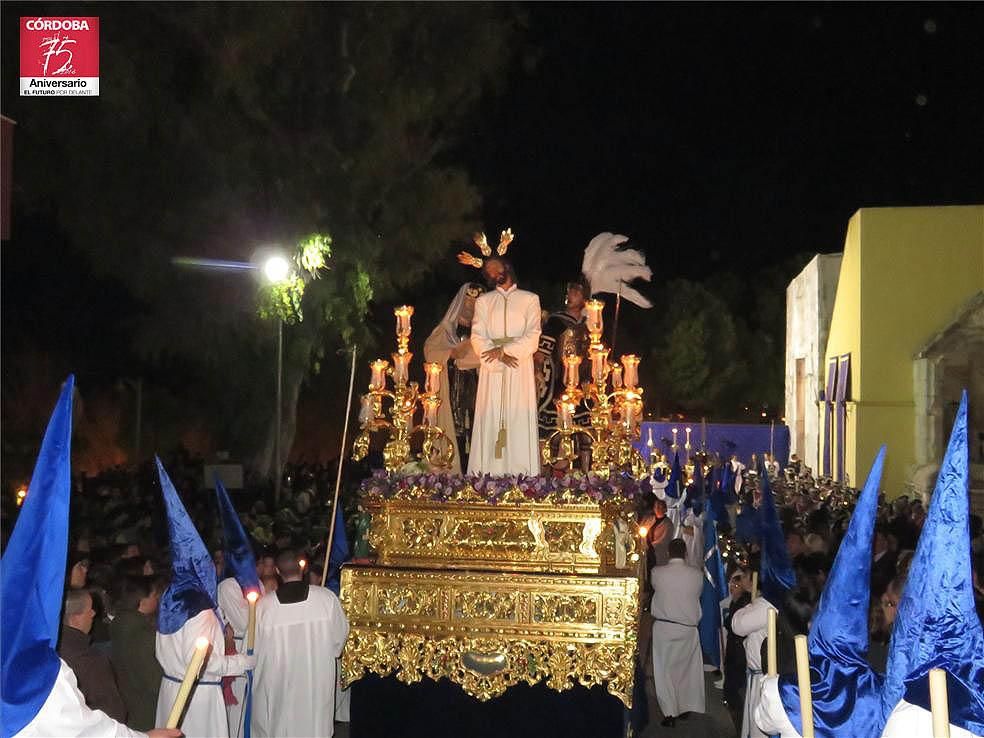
(572, 488)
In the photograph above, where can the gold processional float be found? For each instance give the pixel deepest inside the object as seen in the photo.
(491, 582)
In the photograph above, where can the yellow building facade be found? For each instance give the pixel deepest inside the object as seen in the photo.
(906, 334)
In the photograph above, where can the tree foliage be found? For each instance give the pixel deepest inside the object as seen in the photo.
(226, 127)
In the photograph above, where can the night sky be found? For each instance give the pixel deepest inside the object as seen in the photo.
(725, 136)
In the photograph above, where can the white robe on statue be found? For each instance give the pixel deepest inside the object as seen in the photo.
(65, 715)
(678, 665)
(296, 647)
(911, 721)
(506, 400)
(752, 622)
(437, 348)
(205, 716)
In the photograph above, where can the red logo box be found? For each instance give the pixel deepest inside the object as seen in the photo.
(59, 56)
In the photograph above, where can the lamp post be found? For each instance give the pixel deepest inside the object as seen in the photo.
(276, 269)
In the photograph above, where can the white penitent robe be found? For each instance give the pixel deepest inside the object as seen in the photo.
(437, 348)
(694, 538)
(912, 721)
(751, 622)
(770, 715)
(506, 404)
(65, 714)
(678, 665)
(296, 647)
(235, 610)
(205, 716)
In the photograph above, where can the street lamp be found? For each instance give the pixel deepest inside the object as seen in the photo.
(276, 269)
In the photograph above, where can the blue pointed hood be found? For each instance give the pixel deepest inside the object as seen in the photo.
(717, 507)
(193, 583)
(847, 696)
(32, 575)
(776, 575)
(936, 625)
(728, 484)
(239, 560)
(676, 478)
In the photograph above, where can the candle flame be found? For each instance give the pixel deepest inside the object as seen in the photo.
(302, 563)
(201, 643)
(252, 596)
(643, 530)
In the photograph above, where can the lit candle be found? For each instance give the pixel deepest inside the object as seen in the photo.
(572, 364)
(755, 585)
(431, 404)
(593, 321)
(674, 439)
(191, 674)
(303, 564)
(378, 367)
(805, 689)
(643, 531)
(403, 314)
(631, 364)
(770, 652)
(401, 367)
(433, 371)
(939, 703)
(251, 598)
(599, 359)
(616, 376)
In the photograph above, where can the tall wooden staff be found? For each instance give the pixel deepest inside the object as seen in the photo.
(338, 479)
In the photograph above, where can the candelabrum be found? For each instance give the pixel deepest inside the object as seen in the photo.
(404, 398)
(614, 401)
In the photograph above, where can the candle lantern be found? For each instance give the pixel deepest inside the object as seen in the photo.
(403, 314)
(397, 419)
(401, 367)
(378, 380)
(433, 371)
(431, 404)
(616, 376)
(572, 368)
(593, 320)
(599, 361)
(367, 412)
(631, 376)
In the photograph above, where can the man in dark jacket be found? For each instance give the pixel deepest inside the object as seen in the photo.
(95, 675)
(133, 633)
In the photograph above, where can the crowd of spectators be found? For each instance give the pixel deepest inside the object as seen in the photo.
(814, 515)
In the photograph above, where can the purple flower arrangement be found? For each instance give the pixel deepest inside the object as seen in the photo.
(571, 488)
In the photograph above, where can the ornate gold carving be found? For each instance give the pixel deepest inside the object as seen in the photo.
(565, 608)
(503, 629)
(571, 537)
(479, 605)
(407, 602)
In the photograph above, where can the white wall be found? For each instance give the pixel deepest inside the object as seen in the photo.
(809, 306)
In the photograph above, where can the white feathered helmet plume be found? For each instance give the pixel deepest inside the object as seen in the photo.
(609, 268)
